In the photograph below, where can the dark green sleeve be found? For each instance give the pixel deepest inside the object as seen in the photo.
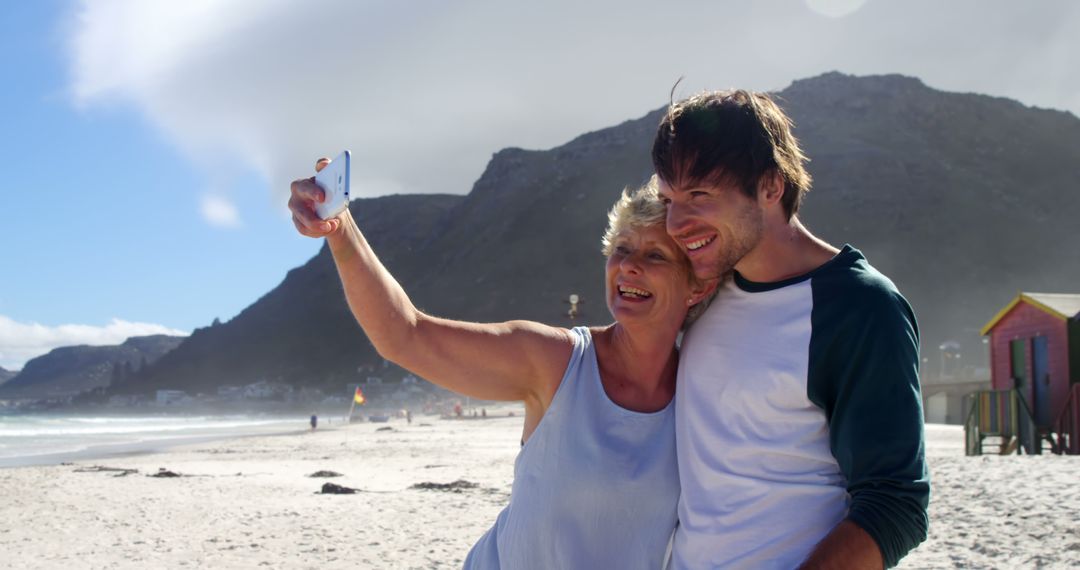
(864, 373)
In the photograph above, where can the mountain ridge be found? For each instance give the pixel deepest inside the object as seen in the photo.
(70, 370)
(959, 198)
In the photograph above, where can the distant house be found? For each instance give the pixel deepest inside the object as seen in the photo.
(166, 397)
(123, 400)
(230, 393)
(259, 390)
(943, 402)
(1035, 349)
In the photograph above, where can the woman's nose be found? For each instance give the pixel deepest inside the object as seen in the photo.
(630, 264)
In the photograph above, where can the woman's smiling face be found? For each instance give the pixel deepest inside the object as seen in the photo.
(648, 278)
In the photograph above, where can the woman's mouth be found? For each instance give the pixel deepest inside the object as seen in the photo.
(629, 292)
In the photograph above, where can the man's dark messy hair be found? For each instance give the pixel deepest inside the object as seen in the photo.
(730, 137)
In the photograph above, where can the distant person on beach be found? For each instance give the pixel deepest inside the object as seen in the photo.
(596, 482)
(800, 425)
(314, 421)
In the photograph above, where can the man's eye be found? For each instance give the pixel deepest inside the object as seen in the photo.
(698, 193)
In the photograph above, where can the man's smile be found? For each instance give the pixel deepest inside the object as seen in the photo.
(695, 244)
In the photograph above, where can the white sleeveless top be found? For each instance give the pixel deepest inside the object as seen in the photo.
(595, 486)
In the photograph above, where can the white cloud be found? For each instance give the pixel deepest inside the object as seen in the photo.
(220, 211)
(835, 8)
(20, 342)
(424, 91)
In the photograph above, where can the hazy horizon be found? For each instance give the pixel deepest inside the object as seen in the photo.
(171, 130)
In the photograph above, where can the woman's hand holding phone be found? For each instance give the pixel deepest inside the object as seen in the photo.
(306, 196)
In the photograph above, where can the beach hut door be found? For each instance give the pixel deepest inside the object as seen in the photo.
(1018, 353)
(1041, 381)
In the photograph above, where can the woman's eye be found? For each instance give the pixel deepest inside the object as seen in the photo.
(622, 250)
(657, 255)
(698, 193)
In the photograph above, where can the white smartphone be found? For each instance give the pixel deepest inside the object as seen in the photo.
(334, 180)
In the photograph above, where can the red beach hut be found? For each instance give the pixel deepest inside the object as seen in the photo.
(1035, 360)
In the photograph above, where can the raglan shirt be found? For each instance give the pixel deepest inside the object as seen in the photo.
(799, 406)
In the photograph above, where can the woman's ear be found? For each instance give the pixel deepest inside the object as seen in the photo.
(702, 290)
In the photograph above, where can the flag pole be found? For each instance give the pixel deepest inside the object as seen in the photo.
(353, 406)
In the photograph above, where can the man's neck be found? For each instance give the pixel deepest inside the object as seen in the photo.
(786, 250)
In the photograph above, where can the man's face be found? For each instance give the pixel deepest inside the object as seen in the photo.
(715, 225)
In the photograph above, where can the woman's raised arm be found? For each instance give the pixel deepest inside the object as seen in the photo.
(516, 360)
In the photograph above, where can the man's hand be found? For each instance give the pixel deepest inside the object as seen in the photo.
(304, 194)
(847, 546)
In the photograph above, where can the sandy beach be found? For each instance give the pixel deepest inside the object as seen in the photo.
(250, 503)
(996, 511)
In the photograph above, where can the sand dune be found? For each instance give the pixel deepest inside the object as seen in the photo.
(249, 503)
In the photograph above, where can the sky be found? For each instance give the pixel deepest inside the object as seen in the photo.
(146, 146)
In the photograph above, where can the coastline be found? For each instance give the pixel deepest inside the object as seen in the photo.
(82, 438)
(112, 451)
(250, 502)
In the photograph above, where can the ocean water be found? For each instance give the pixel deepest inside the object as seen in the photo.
(52, 439)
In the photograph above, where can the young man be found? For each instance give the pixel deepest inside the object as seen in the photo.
(799, 426)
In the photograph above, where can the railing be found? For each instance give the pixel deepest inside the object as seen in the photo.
(999, 413)
(1005, 414)
(1067, 424)
(992, 413)
(972, 439)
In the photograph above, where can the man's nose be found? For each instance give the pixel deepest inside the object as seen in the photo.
(676, 219)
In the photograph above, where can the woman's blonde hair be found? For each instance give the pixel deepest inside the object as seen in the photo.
(635, 209)
(638, 209)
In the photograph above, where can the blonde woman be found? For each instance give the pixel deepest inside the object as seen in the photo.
(596, 483)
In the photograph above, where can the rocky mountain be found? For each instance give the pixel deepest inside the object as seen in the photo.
(962, 199)
(6, 375)
(70, 370)
(302, 332)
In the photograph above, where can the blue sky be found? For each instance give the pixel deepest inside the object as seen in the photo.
(102, 219)
(147, 145)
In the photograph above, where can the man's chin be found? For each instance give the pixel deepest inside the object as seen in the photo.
(706, 271)
(712, 271)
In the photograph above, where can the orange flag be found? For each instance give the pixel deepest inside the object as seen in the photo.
(359, 397)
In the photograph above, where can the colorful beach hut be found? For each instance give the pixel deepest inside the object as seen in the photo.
(1035, 377)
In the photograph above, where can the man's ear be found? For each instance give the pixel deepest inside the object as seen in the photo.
(770, 188)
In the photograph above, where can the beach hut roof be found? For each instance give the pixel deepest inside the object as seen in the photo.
(1061, 305)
